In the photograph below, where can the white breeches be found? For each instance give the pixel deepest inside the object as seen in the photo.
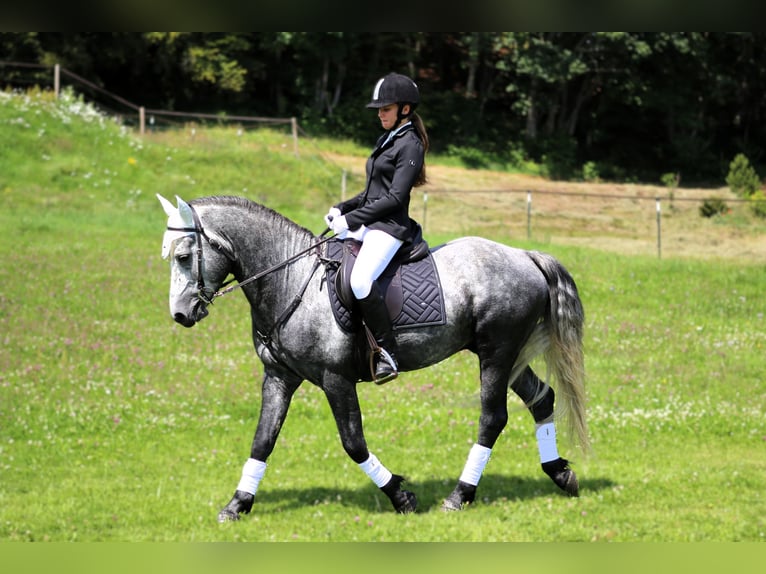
(378, 249)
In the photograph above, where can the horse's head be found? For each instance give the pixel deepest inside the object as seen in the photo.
(200, 260)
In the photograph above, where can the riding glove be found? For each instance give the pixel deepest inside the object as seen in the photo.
(339, 226)
(332, 214)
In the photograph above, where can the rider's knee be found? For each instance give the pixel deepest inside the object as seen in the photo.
(360, 285)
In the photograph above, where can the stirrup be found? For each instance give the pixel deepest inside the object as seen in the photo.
(385, 368)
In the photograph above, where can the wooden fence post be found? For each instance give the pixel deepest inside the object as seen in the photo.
(57, 80)
(294, 123)
(141, 120)
(529, 215)
(659, 228)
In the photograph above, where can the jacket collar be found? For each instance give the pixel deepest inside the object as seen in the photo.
(391, 135)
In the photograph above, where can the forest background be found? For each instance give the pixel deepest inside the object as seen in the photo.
(617, 106)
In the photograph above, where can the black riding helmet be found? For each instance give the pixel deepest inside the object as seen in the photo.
(395, 89)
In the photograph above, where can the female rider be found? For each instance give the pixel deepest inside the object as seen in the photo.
(379, 215)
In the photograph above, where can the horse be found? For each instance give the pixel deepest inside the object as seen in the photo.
(504, 304)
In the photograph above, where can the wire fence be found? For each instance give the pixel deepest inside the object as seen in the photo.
(22, 75)
(129, 113)
(651, 220)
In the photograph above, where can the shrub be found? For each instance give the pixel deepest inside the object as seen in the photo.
(670, 179)
(758, 203)
(713, 206)
(590, 171)
(742, 178)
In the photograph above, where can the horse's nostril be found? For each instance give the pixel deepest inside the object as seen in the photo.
(183, 320)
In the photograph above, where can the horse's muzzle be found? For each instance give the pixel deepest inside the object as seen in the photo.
(184, 320)
(198, 312)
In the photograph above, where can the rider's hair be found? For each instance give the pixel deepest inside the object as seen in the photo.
(420, 128)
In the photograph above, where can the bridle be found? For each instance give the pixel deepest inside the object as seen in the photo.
(199, 233)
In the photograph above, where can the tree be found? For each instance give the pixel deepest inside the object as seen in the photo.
(630, 105)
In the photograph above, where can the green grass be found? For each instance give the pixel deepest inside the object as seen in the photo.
(118, 425)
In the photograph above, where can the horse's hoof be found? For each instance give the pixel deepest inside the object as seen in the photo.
(568, 483)
(239, 503)
(227, 515)
(405, 502)
(452, 504)
(463, 495)
(563, 476)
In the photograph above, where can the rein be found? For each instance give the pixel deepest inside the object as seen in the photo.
(222, 292)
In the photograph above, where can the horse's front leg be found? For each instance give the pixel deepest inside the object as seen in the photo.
(277, 393)
(344, 403)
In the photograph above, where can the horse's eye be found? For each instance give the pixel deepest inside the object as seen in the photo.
(182, 257)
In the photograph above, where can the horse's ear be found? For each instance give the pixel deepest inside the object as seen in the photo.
(186, 212)
(169, 208)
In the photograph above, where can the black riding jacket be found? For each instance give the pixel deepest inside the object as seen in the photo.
(392, 170)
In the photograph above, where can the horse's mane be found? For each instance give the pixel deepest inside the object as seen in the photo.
(261, 211)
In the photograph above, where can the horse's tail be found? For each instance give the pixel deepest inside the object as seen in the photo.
(564, 355)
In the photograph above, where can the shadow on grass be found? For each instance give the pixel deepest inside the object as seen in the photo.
(430, 493)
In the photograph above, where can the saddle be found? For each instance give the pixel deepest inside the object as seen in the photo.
(410, 286)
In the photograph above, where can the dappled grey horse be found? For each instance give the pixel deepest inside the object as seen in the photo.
(506, 305)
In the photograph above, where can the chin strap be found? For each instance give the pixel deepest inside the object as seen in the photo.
(400, 117)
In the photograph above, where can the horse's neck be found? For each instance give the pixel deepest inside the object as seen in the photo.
(263, 239)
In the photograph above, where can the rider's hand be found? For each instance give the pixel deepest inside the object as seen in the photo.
(332, 214)
(339, 225)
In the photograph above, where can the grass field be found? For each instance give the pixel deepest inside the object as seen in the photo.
(118, 425)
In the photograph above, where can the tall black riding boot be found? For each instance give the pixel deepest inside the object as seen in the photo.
(377, 320)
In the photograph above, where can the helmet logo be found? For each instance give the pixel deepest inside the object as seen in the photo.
(376, 91)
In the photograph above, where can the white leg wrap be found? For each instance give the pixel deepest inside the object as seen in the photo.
(546, 442)
(252, 473)
(379, 474)
(478, 458)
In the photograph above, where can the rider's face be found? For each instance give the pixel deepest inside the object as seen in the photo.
(388, 115)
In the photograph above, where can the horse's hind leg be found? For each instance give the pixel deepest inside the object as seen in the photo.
(494, 417)
(539, 398)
